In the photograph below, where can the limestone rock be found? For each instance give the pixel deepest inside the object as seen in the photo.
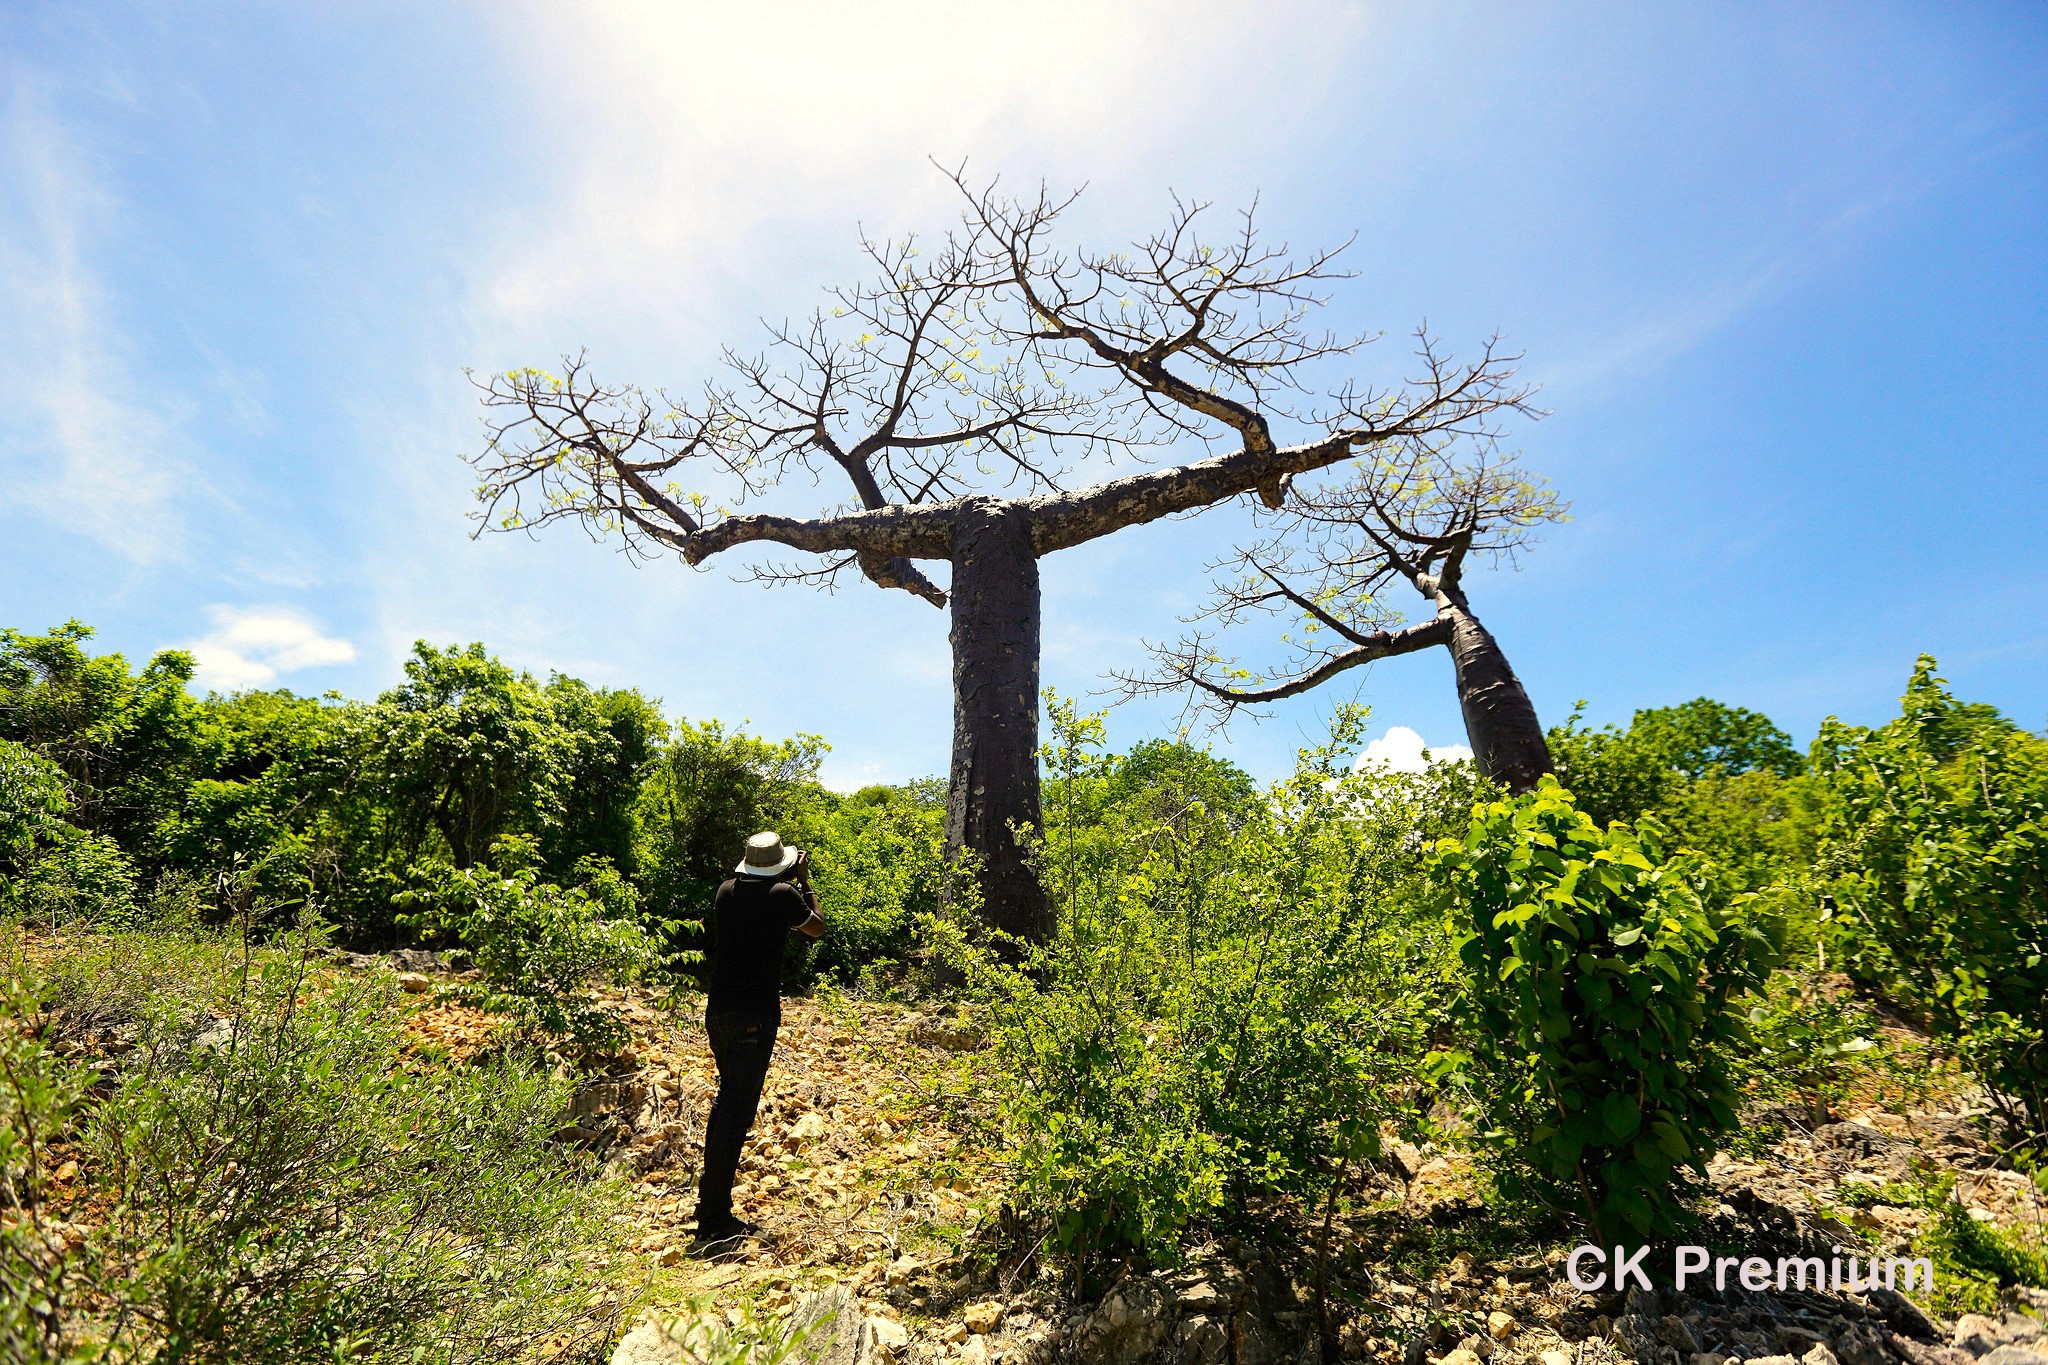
(1863, 1343)
(1921, 1354)
(882, 1340)
(1677, 1333)
(668, 1342)
(1901, 1314)
(1127, 1326)
(1978, 1334)
(829, 1326)
(1500, 1326)
(606, 1096)
(647, 1344)
(1202, 1341)
(982, 1317)
(2014, 1355)
(953, 1035)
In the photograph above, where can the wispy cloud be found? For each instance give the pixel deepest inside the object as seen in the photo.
(254, 646)
(1689, 314)
(80, 441)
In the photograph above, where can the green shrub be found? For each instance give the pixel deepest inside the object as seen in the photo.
(879, 866)
(1603, 981)
(83, 879)
(38, 1094)
(1931, 881)
(121, 738)
(539, 946)
(1720, 779)
(704, 793)
(1806, 1044)
(1234, 1001)
(272, 1182)
(137, 984)
(32, 802)
(1975, 1264)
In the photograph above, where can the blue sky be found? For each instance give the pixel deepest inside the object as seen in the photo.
(1782, 272)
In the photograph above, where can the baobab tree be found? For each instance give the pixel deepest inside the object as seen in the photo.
(1415, 512)
(976, 395)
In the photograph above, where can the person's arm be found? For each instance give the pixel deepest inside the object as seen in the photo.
(815, 925)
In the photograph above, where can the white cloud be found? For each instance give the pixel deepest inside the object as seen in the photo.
(80, 440)
(253, 646)
(705, 132)
(1401, 750)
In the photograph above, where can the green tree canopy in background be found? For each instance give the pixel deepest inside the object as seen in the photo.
(122, 739)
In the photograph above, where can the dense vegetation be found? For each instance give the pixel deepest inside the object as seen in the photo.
(467, 797)
(1250, 994)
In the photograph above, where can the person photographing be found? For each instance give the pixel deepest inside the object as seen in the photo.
(769, 895)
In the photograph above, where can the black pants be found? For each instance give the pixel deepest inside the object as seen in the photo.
(741, 1042)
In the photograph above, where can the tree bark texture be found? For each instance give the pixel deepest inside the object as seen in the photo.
(1500, 720)
(995, 638)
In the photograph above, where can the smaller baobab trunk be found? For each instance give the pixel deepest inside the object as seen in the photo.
(1337, 549)
(1500, 720)
(994, 786)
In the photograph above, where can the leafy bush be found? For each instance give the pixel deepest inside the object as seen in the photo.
(1975, 1263)
(32, 805)
(1233, 1003)
(1935, 838)
(272, 1183)
(1720, 779)
(38, 1093)
(1602, 984)
(32, 802)
(83, 879)
(704, 793)
(880, 864)
(1807, 1043)
(539, 946)
(122, 739)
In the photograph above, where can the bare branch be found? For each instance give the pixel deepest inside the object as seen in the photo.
(1191, 666)
(565, 448)
(991, 358)
(1413, 511)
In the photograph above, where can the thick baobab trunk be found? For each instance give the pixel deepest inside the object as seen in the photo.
(1507, 739)
(995, 710)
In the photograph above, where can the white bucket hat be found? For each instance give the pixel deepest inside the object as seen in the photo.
(766, 857)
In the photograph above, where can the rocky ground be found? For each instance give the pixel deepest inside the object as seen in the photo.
(877, 1207)
(881, 1211)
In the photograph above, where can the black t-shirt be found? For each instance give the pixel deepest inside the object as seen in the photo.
(750, 922)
